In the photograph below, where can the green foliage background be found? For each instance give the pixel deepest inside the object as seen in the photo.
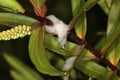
(99, 28)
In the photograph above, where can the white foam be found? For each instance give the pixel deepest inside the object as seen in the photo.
(59, 28)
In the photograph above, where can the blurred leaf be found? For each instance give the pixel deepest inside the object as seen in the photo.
(39, 7)
(87, 55)
(118, 65)
(90, 78)
(111, 40)
(91, 68)
(113, 28)
(54, 59)
(80, 26)
(38, 3)
(109, 2)
(22, 68)
(58, 62)
(100, 43)
(38, 55)
(114, 53)
(111, 76)
(105, 5)
(16, 75)
(87, 5)
(11, 19)
(97, 71)
(11, 5)
(114, 18)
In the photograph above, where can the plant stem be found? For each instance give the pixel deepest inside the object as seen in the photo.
(41, 19)
(94, 52)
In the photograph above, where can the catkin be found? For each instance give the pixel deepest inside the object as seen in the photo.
(15, 33)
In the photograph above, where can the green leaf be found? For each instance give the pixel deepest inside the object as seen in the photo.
(100, 43)
(16, 75)
(12, 19)
(113, 28)
(57, 61)
(90, 78)
(111, 76)
(97, 71)
(111, 40)
(39, 7)
(52, 44)
(118, 65)
(81, 25)
(39, 3)
(114, 18)
(78, 14)
(90, 68)
(21, 68)
(109, 2)
(38, 55)
(105, 5)
(11, 5)
(114, 53)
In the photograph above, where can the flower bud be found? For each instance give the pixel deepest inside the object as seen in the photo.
(16, 32)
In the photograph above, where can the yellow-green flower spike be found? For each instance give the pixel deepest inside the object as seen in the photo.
(16, 32)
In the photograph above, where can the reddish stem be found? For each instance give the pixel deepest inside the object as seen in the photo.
(94, 52)
(98, 55)
(41, 19)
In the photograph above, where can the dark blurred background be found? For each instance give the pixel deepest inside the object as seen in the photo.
(96, 21)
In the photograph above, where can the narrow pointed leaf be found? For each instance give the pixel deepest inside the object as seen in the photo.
(108, 3)
(88, 4)
(21, 68)
(100, 43)
(111, 76)
(92, 68)
(39, 7)
(114, 53)
(104, 5)
(114, 18)
(38, 55)
(111, 40)
(12, 19)
(80, 26)
(16, 75)
(90, 78)
(11, 5)
(113, 28)
(38, 3)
